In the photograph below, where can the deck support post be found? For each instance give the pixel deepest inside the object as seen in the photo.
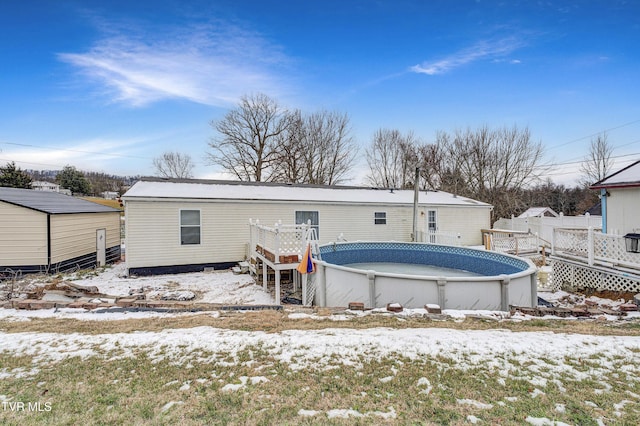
(264, 275)
(277, 295)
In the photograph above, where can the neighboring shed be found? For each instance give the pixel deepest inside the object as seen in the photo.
(44, 231)
(620, 200)
(186, 225)
(539, 212)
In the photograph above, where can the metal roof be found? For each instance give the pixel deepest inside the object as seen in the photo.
(627, 177)
(234, 190)
(50, 202)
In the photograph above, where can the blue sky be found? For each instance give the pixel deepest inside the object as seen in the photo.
(107, 86)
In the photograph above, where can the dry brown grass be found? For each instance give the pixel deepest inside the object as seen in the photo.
(272, 321)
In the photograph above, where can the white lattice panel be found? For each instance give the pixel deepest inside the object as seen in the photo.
(613, 248)
(572, 241)
(565, 275)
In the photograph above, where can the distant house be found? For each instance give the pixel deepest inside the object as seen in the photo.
(620, 200)
(539, 212)
(181, 225)
(43, 231)
(40, 185)
(109, 195)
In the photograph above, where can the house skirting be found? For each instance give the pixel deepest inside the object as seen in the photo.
(179, 269)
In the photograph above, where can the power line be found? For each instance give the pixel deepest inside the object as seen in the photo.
(595, 134)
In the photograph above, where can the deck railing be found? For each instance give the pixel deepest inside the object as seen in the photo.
(594, 248)
(438, 237)
(280, 243)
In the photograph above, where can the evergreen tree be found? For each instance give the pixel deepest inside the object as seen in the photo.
(73, 180)
(14, 177)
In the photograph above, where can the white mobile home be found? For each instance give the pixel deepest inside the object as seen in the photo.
(43, 231)
(187, 225)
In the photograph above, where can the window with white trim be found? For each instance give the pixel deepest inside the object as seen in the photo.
(380, 218)
(189, 227)
(305, 216)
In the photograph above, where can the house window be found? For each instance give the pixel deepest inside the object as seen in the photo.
(432, 223)
(189, 227)
(380, 218)
(432, 226)
(305, 216)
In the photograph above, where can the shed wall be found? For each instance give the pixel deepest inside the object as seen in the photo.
(74, 235)
(153, 230)
(23, 236)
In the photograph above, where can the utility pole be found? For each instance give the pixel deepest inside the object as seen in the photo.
(416, 193)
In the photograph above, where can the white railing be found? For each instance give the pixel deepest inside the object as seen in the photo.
(516, 244)
(544, 226)
(280, 240)
(438, 237)
(594, 247)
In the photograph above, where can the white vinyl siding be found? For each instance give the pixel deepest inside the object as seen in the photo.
(622, 211)
(380, 218)
(189, 227)
(154, 240)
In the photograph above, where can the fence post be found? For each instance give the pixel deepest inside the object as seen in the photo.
(553, 240)
(590, 245)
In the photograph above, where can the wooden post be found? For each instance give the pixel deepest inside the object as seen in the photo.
(278, 299)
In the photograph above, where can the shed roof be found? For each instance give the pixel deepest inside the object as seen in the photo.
(538, 212)
(627, 177)
(50, 202)
(150, 188)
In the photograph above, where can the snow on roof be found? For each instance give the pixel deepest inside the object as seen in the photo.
(629, 176)
(538, 212)
(51, 202)
(233, 190)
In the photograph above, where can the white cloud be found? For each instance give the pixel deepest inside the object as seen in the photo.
(485, 49)
(208, 64)
(89, 155)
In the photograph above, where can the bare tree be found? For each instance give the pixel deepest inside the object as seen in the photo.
(598, 162)
(493, 165)
(291, 164)
(392, 158)
(328, 150)
(248, 136)
(174, 165)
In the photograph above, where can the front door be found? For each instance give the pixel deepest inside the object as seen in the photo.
(101, 247)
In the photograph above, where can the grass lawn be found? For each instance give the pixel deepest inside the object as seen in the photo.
(267, 368)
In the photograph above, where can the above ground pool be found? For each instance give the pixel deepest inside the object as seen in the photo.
(417, 274)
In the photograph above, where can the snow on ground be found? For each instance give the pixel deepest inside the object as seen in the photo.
(527, 355)
(210, 287)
